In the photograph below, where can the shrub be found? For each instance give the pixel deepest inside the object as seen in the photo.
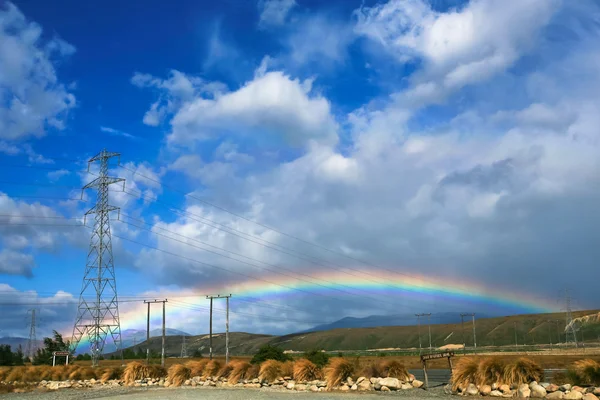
(178, 374)
(373, 370)
(197, 367)
(225, 370)
(212, 368)
(4, 371)
(464, 372)
(317, 357)
(136, 370)
(270, 370)
(287, 369)
(82, 373)
(16, 374)
(523, 370)
(306, 370)
(586, 372)
(111, 373)
(197, 353)
(490, 371)
(394, 369)
(268, 352)
(338, 370)
(239, 371)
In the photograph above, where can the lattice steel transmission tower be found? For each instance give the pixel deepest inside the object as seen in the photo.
(32, 342)
(570, 335)
(98, 310)
(183, 348)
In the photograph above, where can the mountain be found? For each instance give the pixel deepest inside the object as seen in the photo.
(390, 320)
(496, 331)
(133, 337)
(15, 342)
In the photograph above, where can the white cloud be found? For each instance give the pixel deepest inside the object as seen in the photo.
(220, 53)
(34, 100)
(274, 12)
(458, 47)
(56, 175)
(271, 103)
(116, 132)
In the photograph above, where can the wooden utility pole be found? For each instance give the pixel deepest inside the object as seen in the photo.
(162, 357)
(226, 326)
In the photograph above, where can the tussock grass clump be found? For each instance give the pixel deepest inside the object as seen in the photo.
(253, 372)
(196, 367)
(4, 371)
(287, 369)
(82, 373)
(136, 370)
(372, 370)
(239, 371)
(225, 370)
(45, 372)
(339, 369)
(111, 373)
(16, 374)
(586, 372)
(178, 374)
(212, 368)
(270, 370)
(464, 372)
(394, 369)
(306, 370)
(490, 371)
(523, 370)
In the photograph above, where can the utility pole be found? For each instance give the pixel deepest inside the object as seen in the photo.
(162, 357)
(462, 322)
(32, 342)
(98, 319)
(474, 336)
(183, 348)
(419, 330)
(549, 332)
(428, 315)
(462, 326)
(516, 344)
(226, 326)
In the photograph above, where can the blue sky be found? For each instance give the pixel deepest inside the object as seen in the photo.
(449, 140)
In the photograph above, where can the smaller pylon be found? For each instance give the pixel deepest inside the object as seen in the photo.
(32, 342)
(183, 348)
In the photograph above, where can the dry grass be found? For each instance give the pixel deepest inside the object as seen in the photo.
(4, 371)
(287, 369)
(523, 370)
(464, 372)
(196, 367)
(212, 368)
(338, 370)
(372, 370)
(225, 370)
(270, 370)
(586, 371)
(16, 374)
(490, 371)
(82, 373)
(111, 373)
(394, 369)
(305, 370)
(239, 371)
(136, 370)
(178, 374)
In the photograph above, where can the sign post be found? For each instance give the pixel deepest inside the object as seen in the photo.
(60, 354)
(435, 356)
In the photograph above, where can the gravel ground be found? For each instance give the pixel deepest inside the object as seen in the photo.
(185, 393)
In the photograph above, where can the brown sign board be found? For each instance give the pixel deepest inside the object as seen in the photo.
(435, 356)
(61, 353)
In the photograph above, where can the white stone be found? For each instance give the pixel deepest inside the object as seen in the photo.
(472, 390)
(574, 395)
(385, 389)
(523, 392)
(558, 395)
(496, 393)
(290, 385)
(359, 380)
(354, 387)
(391, 383)
(565, 388)
(417, 383)
(406, 386)
(537, 391)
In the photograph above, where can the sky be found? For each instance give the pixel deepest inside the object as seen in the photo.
(315, 160)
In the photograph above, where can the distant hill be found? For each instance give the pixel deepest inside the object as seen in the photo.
(15, 342)
(498, 331)
(390, 320)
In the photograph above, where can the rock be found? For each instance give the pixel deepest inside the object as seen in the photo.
(417, 383)
(350, 381)
(552, 388)
(385, 389)
(557, 395)
(354, 387)
(255, 380)
(537, 391)
(300, 388)
(207, 383)
(589, 396)
(448, 389)
(573, 395)
(496, 393)
(287, 378)
(495, 386)
(523, 392)
(596, 391)
(391, 383)
(373, 380)
(411, 378)
(364, 385)
(579, 389)
(406, 386)
(322, 384)
(359, 380)
(565, 388)
(485, 390)
(544, 384)
(344, 388)
(290, 385)
(188, 382)
(314, 388)
(505, 389)
(472, 390)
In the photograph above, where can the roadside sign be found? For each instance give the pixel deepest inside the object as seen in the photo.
(61, 353)
(435, 356)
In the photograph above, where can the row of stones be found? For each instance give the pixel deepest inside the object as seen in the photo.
(533, 390)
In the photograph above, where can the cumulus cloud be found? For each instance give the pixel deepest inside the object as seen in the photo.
(271, 103)
(458, 47)
(274, 12)
(34, 99)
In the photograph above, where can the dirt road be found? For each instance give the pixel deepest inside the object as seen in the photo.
(185, 393)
